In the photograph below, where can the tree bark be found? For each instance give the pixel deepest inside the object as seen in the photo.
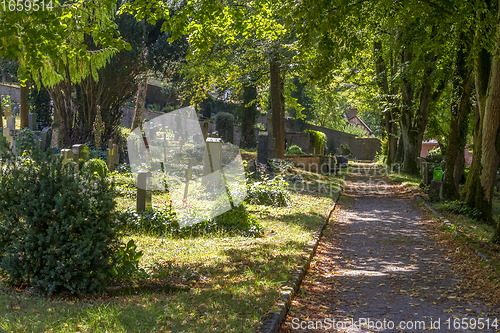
(25, 106)
(460, 108)
(140, 101)
(277, 109)
(389, 112)
(248, 117)
(473, 193)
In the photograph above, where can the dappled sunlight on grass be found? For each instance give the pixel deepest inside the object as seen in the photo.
(212, 282)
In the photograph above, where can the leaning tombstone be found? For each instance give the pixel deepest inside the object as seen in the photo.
(46, 138)
(143, 193)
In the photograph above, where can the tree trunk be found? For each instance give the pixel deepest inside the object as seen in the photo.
(473, 193)
(460, 109)
(389, 113)
(139, 106)
(400, 151)
(248, 117)
(277, 109)
(25, 105)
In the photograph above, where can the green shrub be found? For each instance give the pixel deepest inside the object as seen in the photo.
(57, 229)
(238, 219)
(345, 150)
(460, 207)
(269, 192)
(95, 165)
(224, 124)
(318, 140)
(294, 150)
(27, 141)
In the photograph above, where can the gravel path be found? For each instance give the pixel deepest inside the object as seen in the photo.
(379, 265)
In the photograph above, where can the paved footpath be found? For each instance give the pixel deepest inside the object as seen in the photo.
(380, 269)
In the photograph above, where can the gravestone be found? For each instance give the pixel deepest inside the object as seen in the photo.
(212, 160)
(342, 162)
(9, 131)
(110, 155)
(68, 156)
(116, 154)
(15, 110)
(32, 121)
(265, 148)
(46, 138)
(436, 190)
(143, 193)
(80, 151)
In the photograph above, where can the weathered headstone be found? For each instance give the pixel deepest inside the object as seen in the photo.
(68, 156)
(15, 110)
(116, 153)
(32, 121)
(46, 138)
(110, 155)
(80, 151)
(262, 149)
(143, 193)
(213, 159)
(436, 190)
(9, 131)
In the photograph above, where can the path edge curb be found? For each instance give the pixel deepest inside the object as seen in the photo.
(272, 321)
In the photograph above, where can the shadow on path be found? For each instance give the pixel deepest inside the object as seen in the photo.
(377, 265)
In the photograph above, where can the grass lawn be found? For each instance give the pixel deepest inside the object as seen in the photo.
(213, 282)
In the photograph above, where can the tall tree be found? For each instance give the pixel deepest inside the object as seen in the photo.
(460, 108)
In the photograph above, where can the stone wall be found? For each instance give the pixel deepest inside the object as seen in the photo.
(12, 91)
(361, 148)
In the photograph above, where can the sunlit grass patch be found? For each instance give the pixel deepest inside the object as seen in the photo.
(213, 281)
(407, 180)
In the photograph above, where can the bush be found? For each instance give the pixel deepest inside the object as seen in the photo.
(95, 165)
(224, 125)
(345, 150)
(294, 150)
(318, 140)
(27, 141)
(57, 229)
(269, 192)
(238, 219)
